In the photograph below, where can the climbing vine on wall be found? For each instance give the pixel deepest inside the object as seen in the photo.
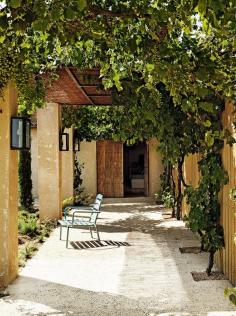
(204, 214)
(24, 172)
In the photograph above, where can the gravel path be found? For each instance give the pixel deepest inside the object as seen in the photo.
(137, 271)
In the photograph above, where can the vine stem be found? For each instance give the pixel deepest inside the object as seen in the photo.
(210, 262)
(179, 188)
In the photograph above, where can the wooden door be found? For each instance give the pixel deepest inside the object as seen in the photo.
(110, 168)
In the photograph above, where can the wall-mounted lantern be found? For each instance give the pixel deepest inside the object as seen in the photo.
(20, 133)
(64, 142)
(76, 141)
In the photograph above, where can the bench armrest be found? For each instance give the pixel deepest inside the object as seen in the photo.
(83, 212)
(71, 207)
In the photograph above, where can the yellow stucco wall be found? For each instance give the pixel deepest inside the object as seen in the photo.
(8, 190)
(87, 157)
(68, 168)
(155, 167)
(34, 162)
(49, 162)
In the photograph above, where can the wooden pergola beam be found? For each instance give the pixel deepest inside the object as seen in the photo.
(79, 86)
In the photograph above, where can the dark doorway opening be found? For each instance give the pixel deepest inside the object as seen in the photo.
(135, 170)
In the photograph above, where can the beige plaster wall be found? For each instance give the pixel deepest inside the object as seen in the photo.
(34, 162)
(87, 156)
(155, 167)
(49, 162)
(67, 166)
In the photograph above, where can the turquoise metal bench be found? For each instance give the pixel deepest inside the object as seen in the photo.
(81, 217)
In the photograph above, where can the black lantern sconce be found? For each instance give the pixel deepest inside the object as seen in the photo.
(64, 142)
(76, 141)
(20, 133)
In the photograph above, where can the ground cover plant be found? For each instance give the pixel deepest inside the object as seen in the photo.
(32, 233)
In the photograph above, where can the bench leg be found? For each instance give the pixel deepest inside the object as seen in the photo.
(60, 232)
(97, 233)
(67, 237)
(91, 232)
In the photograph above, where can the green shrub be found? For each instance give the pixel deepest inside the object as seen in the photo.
(81, 198)
(231, 294)
(166, 197)
(28, 224)
(26, 252)
(45, 228)
(31, 228)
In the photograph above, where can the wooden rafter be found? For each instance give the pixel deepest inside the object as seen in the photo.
(72, 76)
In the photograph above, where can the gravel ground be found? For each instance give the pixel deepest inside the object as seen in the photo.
(145, 276)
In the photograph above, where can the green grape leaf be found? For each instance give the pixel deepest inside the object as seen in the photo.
(15, 4)
(206, 106)
(202, 6)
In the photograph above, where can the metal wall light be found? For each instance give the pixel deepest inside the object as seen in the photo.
(76, 141)
(64, 141)
(20, 133)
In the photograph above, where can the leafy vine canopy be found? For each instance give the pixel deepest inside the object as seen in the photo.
(188, 45)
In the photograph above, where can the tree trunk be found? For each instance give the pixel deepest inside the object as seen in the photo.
(173, 192)
(179, 190)
(210, 262)
(202, 244)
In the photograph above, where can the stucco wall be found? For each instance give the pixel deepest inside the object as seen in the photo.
(155, 167)
(68, 168)
(87, 157)
(34, 161)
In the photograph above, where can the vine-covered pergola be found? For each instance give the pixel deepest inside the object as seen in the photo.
(171, 62)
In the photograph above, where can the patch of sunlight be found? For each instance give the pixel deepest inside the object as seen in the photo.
(123, 204)
(22, 307)
(223, 313)
(155, 206)
(149, 271)
(113, 216)
(153, 216)
(171, 223)
(95, 270)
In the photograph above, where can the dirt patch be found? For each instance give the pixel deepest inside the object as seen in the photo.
(202, 276)
(195, 250)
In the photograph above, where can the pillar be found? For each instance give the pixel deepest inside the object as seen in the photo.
(8, 190)
(68, 168)
(49, 161)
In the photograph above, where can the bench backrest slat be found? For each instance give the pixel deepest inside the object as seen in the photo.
(96, 208)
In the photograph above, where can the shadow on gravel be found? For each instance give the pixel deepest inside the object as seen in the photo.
(31, 296)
